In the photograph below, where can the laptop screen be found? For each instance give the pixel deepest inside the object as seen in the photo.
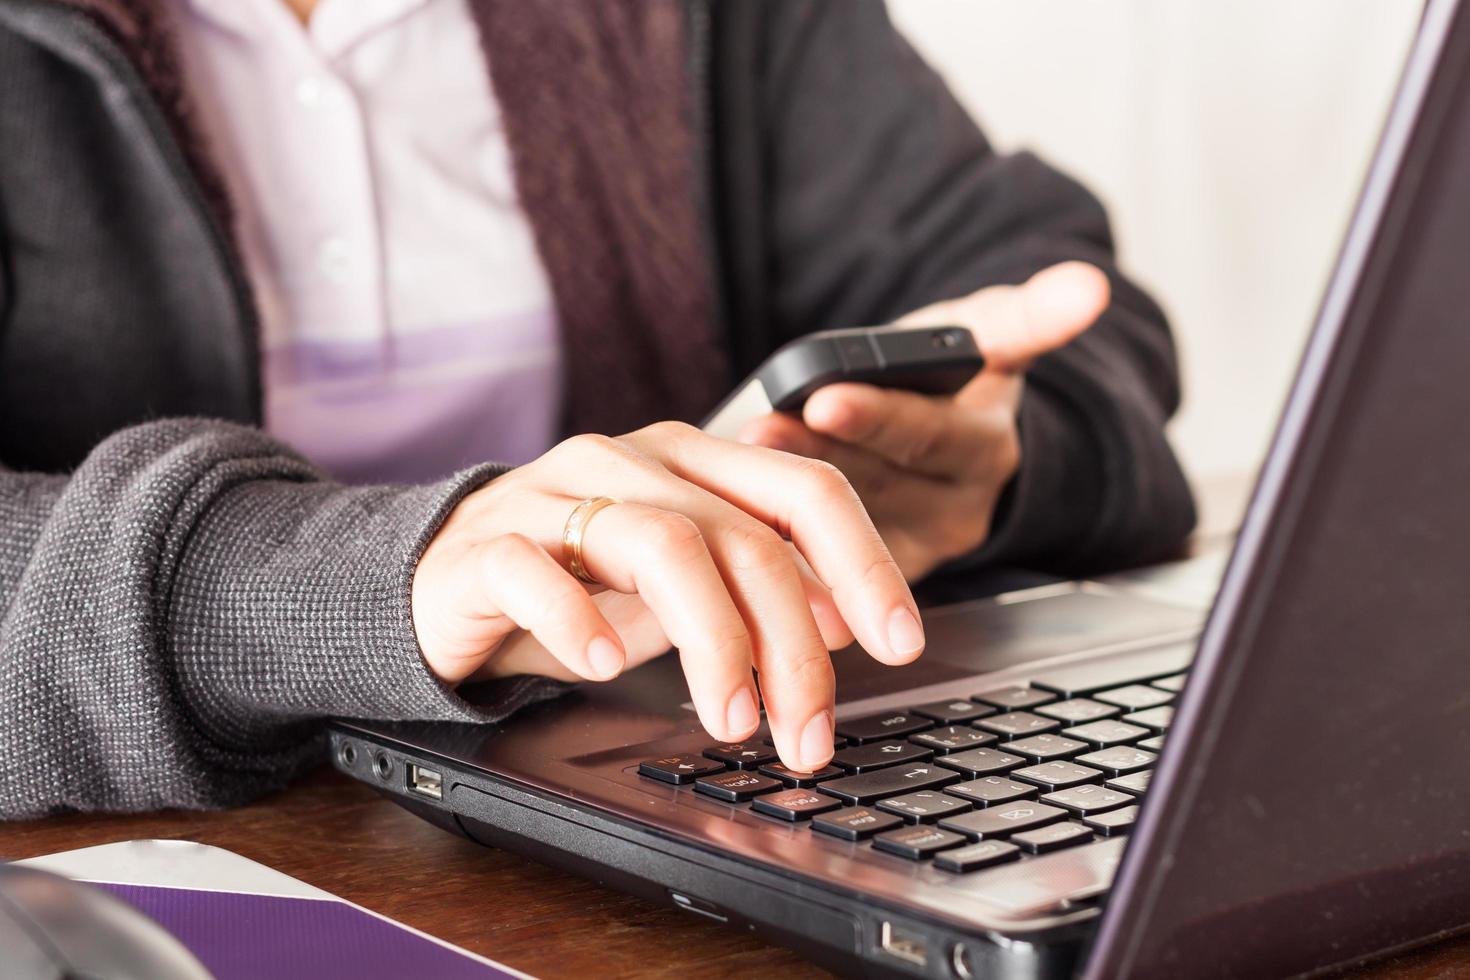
(1312, 804)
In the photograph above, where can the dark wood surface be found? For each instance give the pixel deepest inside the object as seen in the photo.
(340, 836)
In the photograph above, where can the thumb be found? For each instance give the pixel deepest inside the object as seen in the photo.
(1014, 325)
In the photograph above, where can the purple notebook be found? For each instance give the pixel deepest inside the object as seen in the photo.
(242, 919)
(238, 936)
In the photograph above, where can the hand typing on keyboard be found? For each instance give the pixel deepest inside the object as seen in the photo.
(694, 551)
(969, 782)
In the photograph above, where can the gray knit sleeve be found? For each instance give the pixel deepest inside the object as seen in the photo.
(178, 615)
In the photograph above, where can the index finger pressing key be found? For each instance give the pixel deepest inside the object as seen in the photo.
(812, 503)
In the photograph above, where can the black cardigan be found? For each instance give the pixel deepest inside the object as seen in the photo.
(182, 598)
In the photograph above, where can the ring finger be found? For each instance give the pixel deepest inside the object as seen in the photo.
(662, 556)
(728, 592)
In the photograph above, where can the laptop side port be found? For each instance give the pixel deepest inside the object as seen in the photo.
(425, 782)
(902, 944)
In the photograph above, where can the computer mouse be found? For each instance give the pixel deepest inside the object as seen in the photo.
(53, 927)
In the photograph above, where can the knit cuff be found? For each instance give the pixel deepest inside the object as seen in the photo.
(291, 602)
(1055, 499)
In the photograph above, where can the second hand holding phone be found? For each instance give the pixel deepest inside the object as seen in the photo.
(929, 360)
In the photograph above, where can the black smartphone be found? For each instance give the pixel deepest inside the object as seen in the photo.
(931, 360)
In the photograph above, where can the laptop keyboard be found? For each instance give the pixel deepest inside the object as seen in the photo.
(965, 784)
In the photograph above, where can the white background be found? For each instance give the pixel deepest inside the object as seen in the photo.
(1228, 141)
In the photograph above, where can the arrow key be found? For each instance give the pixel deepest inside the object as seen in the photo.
(742, 755)
(679, 769)
(804, 780)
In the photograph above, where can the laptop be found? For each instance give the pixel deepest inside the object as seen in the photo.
(1109, 778)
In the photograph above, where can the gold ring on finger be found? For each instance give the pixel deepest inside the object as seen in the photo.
(576, 527)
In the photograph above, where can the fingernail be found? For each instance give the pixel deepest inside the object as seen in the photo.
(605, 657)
(815, 745)
(905, 635)
(742, 715)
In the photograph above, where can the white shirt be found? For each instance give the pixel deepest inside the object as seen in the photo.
(408, 327)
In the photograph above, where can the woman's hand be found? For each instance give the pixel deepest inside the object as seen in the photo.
(930, 469)
(695, 556)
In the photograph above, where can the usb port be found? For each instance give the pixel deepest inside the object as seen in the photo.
(425, 782)
(904, 945)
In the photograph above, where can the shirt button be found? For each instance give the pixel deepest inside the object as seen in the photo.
(334, 258)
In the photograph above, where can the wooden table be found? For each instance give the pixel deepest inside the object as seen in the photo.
(340, 836)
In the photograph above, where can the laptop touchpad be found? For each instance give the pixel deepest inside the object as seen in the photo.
(992, 634)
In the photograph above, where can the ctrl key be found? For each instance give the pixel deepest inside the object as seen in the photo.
(855, 822)
(917, 843)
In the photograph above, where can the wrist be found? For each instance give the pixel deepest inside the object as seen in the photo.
(291, 602)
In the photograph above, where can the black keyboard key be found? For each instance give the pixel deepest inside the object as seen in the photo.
(917, 843)
(980, 762)
(1075, 711)
(1002, 821)
(1087, 800)
(742, 755)
(873, 728)
(737, 786)
(794, 804)
(1173, 683)
(1052, 837)
(952, 738)
(1017, 724)
(879, 755)
(855, 822)
(837, 743)
(1159, 719)
(869, 787)
(1135, 697)
(1155, 744)
(1015, 698)
(1119, 760)
(1056, 775)
(992, 790)
(953, 712)
(1041, 748)
(1113, 823)
(1084, 679)
(925, 806)
(973, 857)
(1134, 782)
(679, 769)
(792, 778)
(1105, 733)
